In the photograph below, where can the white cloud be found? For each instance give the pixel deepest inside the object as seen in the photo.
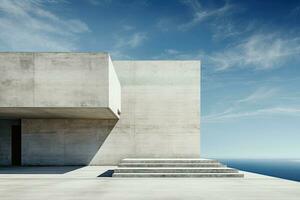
(127, 27)
(171, 51)
(119, 55)
(28, 26)
(179, 55)
(225, 28)
(132, 41)
(239, 110)
(126, 41)
(137, 39)
(274, 111)
(259, 94)
(260, 51)
(165, 24)
(99, 2)
(200, 14)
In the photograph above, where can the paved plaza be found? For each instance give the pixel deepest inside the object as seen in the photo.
(62, 183)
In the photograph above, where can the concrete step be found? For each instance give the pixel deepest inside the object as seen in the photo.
(177, 175)
(133, 165)
(173, 167)
(174, 170)
(167, 160)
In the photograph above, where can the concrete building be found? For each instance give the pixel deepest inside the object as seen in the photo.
(85, 109)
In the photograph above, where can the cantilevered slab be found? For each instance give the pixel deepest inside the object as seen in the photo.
(58, 85)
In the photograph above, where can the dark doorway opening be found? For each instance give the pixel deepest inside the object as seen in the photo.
(16, 145)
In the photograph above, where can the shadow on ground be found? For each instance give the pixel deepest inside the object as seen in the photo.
(107, 173)
(38, 170)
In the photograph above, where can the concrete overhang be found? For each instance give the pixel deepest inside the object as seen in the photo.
(59, 85)
(57, 113)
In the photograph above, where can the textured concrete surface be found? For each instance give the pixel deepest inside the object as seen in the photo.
(114, 89)
(33, 83)
(62, 141)
(177, 167)
(160, 112)
(83, 183)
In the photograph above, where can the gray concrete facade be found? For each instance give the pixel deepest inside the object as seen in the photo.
(63, 141)
(58, 85)
(160, 114)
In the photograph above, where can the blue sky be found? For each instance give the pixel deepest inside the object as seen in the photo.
(250, 53)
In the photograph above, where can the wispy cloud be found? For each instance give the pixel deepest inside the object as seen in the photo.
(136, 39)
(179, 55)
(132, 41)
(127, 27)
(273, 111)
(169, 54)
(100, 2)
(240, 108)
(125, 41)
(228, 28)
(172, 51)
(255, 46)
(260, 51)
(29, 26)
(124, 4)
(200, 14)
(119, 55)
(259, 95)
(164, 24)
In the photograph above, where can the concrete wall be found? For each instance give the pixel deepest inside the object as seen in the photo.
(160, 118)
(160, 112)
(5, 140)
(72, 80)
(62, 141)
(114, 90)
(56, 80)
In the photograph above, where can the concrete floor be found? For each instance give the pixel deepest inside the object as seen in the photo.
(82, 183)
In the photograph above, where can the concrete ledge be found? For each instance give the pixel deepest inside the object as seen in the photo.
(174, 170)
(58, 85)
(178, 175)
(168, 160)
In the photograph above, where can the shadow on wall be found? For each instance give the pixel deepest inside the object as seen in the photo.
(97, 156)
(107, 153)
(54, 142)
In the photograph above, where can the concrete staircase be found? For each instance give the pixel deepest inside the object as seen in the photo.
(158, 167)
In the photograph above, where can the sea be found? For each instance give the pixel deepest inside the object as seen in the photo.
(281, 168)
